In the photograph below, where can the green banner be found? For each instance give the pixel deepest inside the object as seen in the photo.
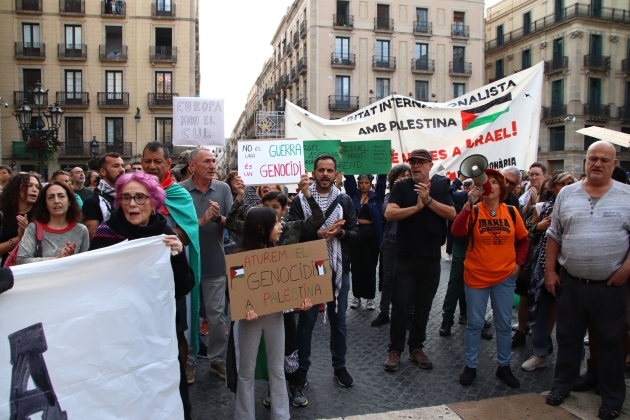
(314, 148)
(366, 157)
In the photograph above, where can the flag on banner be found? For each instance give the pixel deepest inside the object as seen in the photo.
(237, 272)
(321, 269)
(485, 114)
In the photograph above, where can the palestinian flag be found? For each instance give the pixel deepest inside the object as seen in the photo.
(237, 272)
(321, 269)
(487, 113)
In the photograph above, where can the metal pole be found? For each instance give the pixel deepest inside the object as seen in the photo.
(399, 135)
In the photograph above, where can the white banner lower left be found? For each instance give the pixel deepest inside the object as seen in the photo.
(92, 336)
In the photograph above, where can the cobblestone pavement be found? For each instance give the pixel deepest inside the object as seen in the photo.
(375, 390)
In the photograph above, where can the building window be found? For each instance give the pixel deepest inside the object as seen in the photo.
(499, 69)
(31, 36)
(74, 86)
(164, 5)
(557, 92)
(459, 53)
(595, 46)
(74, 134)
(342, 50)
(382, 16)
(422, 90)
(555, 165)
(382, 88)
(164, 130)
(114, 130)
(558, 48)
(422, 20)
(113, 40)
(459, 89)
(382, 53)
(625, 130)
(556, 139)
(526, 59)
(499, 34)
(73, 37)
(114, 85)
(342, 91)
(527, 23)
(458, 24)
(164, 82)
(594, 91)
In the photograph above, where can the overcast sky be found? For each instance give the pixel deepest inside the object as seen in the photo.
(235, 39)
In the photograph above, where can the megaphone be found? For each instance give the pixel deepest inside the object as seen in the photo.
(474, 167)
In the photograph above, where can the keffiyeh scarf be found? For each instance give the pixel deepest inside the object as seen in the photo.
(104, 189)
(537, 279)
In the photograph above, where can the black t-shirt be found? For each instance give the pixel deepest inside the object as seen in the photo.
(512, 200)
(423, 233)
(9, 231)
(84, 193)
(92, 207)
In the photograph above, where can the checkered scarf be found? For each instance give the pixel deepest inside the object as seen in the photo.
(537, 279)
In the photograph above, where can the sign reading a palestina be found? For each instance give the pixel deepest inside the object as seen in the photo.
(500, 121)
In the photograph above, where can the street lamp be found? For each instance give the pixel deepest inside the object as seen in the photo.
(94, 147)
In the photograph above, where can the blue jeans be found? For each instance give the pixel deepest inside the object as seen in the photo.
(501, 297)
(337, 320)
(539, 326)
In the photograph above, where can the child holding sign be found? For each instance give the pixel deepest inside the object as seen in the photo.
(262, 229)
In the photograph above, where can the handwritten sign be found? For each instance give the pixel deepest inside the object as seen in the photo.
(315, 148)
(275, 279)
(198, 122)
(366, 157)
(279, 161)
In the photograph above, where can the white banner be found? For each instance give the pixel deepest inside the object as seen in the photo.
(500, 121)
(198, 122)
(92, 336)
(262, 162)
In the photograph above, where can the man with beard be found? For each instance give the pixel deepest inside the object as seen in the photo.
(78, 183)
(98, 207)
(421, 205)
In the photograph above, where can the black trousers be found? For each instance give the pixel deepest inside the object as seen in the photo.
(416, 281)
(604, 308)
(183, 389)
(364, 258)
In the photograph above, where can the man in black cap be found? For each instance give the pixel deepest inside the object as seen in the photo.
(422, 205)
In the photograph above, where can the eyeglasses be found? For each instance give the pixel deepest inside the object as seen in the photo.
(418, 162)
(139, 198)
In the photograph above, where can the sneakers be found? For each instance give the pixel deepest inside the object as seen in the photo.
(297, 395)
(381, 319)
(203, 350)
(468, 376)
(343, 377)
(486, 334)
(518, 339)
(504, 373)
(203, 329)
(448, 257)
(190, 374)
(421, 359)
(463, 319)
(370, 306)
(267, 399)
(534, 363)
(218, 369)
(356, 303)
(393, 359)
(555, 397)
(445, 329)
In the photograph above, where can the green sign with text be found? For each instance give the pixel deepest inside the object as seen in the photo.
(366, 157)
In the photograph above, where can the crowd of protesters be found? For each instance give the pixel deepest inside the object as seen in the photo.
(532, 238)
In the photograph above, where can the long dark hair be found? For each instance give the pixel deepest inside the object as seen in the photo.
(40, 210)
(10, 196)
(259, 224)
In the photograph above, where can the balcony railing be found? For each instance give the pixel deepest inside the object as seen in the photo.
(114, 9)
(73, 99)
(597, 110)
(459, 30)
(163, 54)
(20, 95)
(77, 52)
(282, 81)
(343, 103)
(30, 50)
(343, 21)
(554, 111)
(497, 77)
(597, 62)
(28, 6)
(573, 11)
(383, 24)
(422, 65)
(279, 105)
(344, 60)
(288, 85)
(624, 113)
(302, 103)
(460, 68)
(422, 28)
(556, 64)
(162, 11)
(71, 7)
(112, 99)
(302, 65)
(303, 29)
(161, 100)
(296, 40)
(383, 63)
(295, 76)
(112, 52)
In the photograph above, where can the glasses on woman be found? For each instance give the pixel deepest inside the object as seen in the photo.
(139, 198)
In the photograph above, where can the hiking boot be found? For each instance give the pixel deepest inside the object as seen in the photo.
(555, 397)
(356, 303)
(588, 381)
(463, 319)
(267, 399)
(203, 350)
(218, 369)
(190, 374)
(504, 373)
(468, 376)
(381, 319)
(393, 359)
(370, 306)
(297, 396)
(518, 339)
(534, 363)
(445, 329)
(421, 359)
(343, 377)
(486, 334)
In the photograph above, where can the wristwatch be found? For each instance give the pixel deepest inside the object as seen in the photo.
(340, 234)
(217, 219)
(429, 202)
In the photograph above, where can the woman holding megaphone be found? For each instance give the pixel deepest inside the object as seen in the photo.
(497, 248)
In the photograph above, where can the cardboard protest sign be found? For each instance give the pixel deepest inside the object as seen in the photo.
(366, 157)
(198, 122)
(51, 360)
(262, 162)
(275, 279)
(315, 148)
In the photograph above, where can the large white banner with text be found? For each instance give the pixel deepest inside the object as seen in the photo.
(92, 336)
(500, 121)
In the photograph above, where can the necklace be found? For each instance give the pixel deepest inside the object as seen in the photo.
(493, 213)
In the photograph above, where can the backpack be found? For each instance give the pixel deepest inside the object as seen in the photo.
(12, 257)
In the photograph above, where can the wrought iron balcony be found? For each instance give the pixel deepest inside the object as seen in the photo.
(73, 99)
(343, 103)
(303, 29)
(459, 30)
(84, 149)
(20, 95)
(422, 28)
(597, 62)
(112, 52)
(383, 63)
(30, 50)
(289, 49)
(163, 54)
(112, 99)
(114, 9)
(288, 85)
(161, 100)
(556, 64)
(343, 21)
(28, 6)
(76, 52)
(302, 65)
(279, 105)
(624, 113)
(383, 24)
(422, 65)
(460, 68)
(343, 60)
(303, 103)
(295, 76)
(71, 7)
(282, 81)
(296, 40)
(596, 110)
(160, 11)
(554, 111)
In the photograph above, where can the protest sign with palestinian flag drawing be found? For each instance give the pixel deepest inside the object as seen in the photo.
(237, 272)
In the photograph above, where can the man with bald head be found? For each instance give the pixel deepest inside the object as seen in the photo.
(78, 182)
(590, 283)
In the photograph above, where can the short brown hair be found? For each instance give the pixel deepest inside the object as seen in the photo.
(230, 176)
(40, 211)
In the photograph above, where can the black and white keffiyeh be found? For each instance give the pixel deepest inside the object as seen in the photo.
(334, 245)
(537, 279)
(104, 189)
